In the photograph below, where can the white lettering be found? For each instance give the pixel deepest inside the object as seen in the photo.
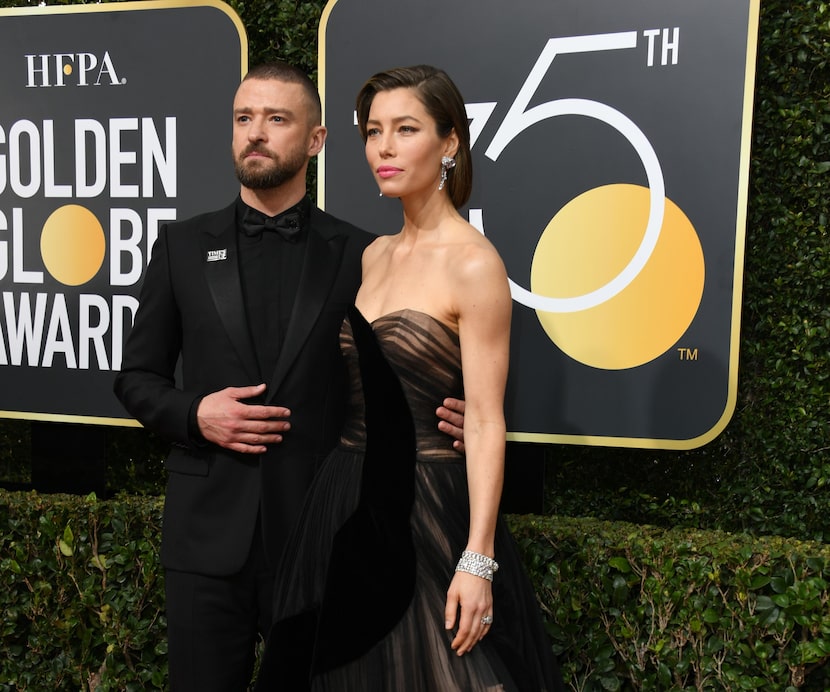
(109, 69)
(19, 274)
(24, 329)
(126, 235)
(49, 187)
(155, 217)
(87, 63)
(119, 305)
(18, 162)
(26, 317)
(98, 162)
(671, 45)
(105, 153)
(125, 250)
(650, 34)
(4, 248)
(2, 163)
(59, 336)
(63, 67)
(119, 158)
(153, 153)
(31, 70)
(93, 334)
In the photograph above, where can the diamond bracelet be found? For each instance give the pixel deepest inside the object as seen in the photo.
(477, 564)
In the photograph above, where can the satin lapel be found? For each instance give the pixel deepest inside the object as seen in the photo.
(222, 274)
(320, 267)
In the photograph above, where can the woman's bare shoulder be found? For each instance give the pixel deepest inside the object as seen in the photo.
(475, 254)
(377, 247)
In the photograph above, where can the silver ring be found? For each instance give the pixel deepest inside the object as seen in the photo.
(487, 620)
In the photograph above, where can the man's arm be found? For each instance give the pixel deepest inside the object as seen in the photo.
(146, 384)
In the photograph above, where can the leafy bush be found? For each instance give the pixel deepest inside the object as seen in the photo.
(627, 606)
(639, 607)
(81, 593)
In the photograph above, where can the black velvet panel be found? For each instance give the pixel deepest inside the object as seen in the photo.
(371, 573)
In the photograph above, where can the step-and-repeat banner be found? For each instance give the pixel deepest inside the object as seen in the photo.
(611, 152)
(114, 119)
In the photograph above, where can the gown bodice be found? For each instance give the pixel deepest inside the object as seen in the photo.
(425, 354)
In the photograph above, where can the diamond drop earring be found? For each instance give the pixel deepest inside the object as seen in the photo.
(447, 162)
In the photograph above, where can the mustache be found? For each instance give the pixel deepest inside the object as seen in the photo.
(258, 149)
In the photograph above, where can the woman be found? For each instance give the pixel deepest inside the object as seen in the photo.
(392, 581)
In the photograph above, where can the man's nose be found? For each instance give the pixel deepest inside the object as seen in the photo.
(256, 132)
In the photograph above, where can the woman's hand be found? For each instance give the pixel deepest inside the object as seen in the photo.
(474, 596)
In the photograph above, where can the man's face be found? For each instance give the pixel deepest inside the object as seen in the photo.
(273, 137)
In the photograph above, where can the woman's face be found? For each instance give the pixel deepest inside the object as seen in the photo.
(403, 147)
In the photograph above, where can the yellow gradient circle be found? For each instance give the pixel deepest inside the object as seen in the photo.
(589, 242)
(72, 245)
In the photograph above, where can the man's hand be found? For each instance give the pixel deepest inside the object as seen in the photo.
(452, 421)
(226, 421)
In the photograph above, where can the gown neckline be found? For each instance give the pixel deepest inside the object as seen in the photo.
(401, 311)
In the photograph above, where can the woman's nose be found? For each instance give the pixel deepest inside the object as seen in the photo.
(385, 147)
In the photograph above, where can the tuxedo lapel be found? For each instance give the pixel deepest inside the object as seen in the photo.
(320, 267)
(221, 265)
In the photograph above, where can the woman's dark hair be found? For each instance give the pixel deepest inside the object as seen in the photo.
(444, 104)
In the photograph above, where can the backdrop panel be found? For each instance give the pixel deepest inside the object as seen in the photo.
(611, 145)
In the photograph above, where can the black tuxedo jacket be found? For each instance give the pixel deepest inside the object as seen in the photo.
(191, 306)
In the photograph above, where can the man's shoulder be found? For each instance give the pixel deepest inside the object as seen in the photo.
(329, 225)
(208, 218)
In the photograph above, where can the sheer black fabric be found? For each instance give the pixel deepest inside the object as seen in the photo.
(360, 597)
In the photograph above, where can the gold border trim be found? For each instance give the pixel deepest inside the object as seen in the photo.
(67, 418)
(321, 87)
(114, 6)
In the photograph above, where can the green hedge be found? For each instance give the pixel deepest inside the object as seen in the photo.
(627, 606)
(81, 593)
(645, 608)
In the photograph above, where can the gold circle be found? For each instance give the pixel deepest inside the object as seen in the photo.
(588, 243)
(67, 69)
(72, 245)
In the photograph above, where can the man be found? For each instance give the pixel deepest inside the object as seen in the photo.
(251, 297)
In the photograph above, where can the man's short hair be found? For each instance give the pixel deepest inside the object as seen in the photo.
(284, 72)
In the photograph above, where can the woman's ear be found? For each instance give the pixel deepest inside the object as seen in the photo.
(451, 144)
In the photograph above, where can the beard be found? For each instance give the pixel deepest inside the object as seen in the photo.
(267, 175)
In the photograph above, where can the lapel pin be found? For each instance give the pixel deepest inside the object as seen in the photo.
(217, 255)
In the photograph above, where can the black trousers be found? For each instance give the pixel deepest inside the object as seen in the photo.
(214, 623)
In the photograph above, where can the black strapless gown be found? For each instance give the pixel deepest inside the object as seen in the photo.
(359, 604)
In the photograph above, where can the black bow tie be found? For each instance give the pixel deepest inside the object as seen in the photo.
(288, 225)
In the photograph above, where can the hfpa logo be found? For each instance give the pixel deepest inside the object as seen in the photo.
(71, 69)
